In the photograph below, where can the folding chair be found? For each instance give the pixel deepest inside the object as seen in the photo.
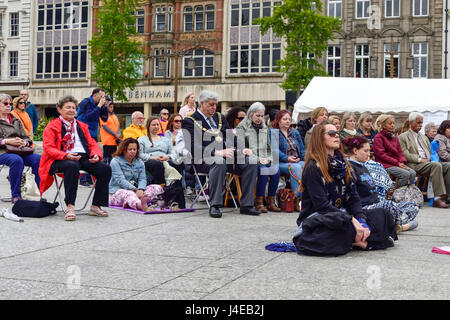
(422, 187)
(391, 190)
(204, 187)
(59, 194)
(230, 178)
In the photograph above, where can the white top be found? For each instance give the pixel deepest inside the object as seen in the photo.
(77, 147)
(422, 154)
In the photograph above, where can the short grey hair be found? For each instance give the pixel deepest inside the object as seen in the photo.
(206, 95)
(135, 114)
(257, 106)
(414, 115)
(429, 126)
(164, 109)
(4, 96)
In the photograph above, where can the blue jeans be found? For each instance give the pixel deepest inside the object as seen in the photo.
(262, 182)
(16, 164)
(297, 168)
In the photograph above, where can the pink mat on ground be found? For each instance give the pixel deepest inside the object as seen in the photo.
(441, 250)
(154, 211)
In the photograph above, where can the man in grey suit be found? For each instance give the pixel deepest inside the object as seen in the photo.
(216, 157)
(417, 150)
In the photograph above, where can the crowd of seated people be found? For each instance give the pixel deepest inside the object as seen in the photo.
(325, 160)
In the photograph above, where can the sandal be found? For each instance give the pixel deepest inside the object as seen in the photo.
(174, 206)
(97, 212)
(70, 215)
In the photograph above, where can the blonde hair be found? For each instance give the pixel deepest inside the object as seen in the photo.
(364, 116)
(381, 120)
(317, 112)
(185, 101)
(347, 115)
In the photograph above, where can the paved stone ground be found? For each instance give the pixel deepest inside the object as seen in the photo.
(192, 256)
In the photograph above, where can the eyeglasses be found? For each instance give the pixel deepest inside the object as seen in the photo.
(7, 103)
(164, 113)
(240, 118)
(332, 133)
(21, 102)
(177, 121)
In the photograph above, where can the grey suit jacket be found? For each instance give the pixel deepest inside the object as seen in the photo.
(409, 146)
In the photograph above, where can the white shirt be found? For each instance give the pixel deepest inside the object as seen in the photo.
(422, 154)
(78, 146)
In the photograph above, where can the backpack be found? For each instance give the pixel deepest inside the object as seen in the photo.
(174, 193)
(34, 209)
(408, 193)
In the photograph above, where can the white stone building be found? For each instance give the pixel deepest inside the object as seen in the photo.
(15, 45)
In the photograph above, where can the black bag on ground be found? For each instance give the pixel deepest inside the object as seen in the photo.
(174, 193)
(329, 234)
(34, 209)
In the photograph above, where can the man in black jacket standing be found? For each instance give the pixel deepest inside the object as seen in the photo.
(212, 147)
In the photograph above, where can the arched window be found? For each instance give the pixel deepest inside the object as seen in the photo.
(199, 18)
(188, 20)
(203, 63)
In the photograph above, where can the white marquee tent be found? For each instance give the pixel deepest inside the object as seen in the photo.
(429, 96)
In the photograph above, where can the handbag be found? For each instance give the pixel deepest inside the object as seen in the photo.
(408, 193)
(285, 199)
(34, 209)
(21, 151)
(30, 190)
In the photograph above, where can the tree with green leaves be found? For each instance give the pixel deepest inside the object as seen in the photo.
(115, 52)
(306, 32)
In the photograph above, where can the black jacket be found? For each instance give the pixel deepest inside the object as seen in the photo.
(317, 198)
(303, 127)
(193, 135)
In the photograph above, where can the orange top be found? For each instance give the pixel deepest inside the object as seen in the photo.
(163, 126)
(25, 120)
(112, 123)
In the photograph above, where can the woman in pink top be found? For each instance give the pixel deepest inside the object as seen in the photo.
(188, 105)
(387, 151)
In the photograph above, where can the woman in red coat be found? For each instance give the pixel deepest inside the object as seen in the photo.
(387, 151)
(69, 148)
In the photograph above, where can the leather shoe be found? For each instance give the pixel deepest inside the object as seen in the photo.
(250, 211)
(439, 203)
(214, 212)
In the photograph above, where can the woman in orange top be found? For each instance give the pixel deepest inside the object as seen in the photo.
(20, 113)
(110, 132)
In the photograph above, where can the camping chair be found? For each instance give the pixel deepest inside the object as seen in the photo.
(59, 193)
(228, 194)
(422, 183)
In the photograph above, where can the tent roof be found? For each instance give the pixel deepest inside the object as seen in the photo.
(374, 95)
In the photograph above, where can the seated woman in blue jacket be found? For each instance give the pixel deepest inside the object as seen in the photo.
(332, 220)
(291, 151)
(128, 185)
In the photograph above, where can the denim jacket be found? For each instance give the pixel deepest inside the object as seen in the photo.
(123, 174)
(283, 144)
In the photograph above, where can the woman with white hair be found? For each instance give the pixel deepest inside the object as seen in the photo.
(388, 152)
(252, 133)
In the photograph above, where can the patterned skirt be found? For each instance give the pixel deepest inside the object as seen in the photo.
(129, 199)
(403, 212)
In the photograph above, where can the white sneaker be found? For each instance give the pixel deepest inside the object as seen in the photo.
(188, 191)
(201, 198)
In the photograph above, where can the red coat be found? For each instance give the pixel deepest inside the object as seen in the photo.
(387, 150)
(51, 144)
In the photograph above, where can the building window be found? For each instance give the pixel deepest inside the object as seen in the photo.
(163, 18)
(387, 60)
(209, 12)
(392, 8)
(162, 62)
(188, 19)
(420, 54)
(204, 64)
(251, 52)
(420, 8)
(62, 40)
(335, 8)
(334, 61)
(13, 63)
(362, 60)
(362, 9)
(140, 21)
(14, 24)
(198, 18)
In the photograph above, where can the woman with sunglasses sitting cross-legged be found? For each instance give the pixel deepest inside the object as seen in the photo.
(332, 220)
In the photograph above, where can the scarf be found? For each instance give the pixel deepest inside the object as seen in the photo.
(68, 141)
(257, 127)
(338, 166)
(388, 134)
(337, 189)
(350, 132)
